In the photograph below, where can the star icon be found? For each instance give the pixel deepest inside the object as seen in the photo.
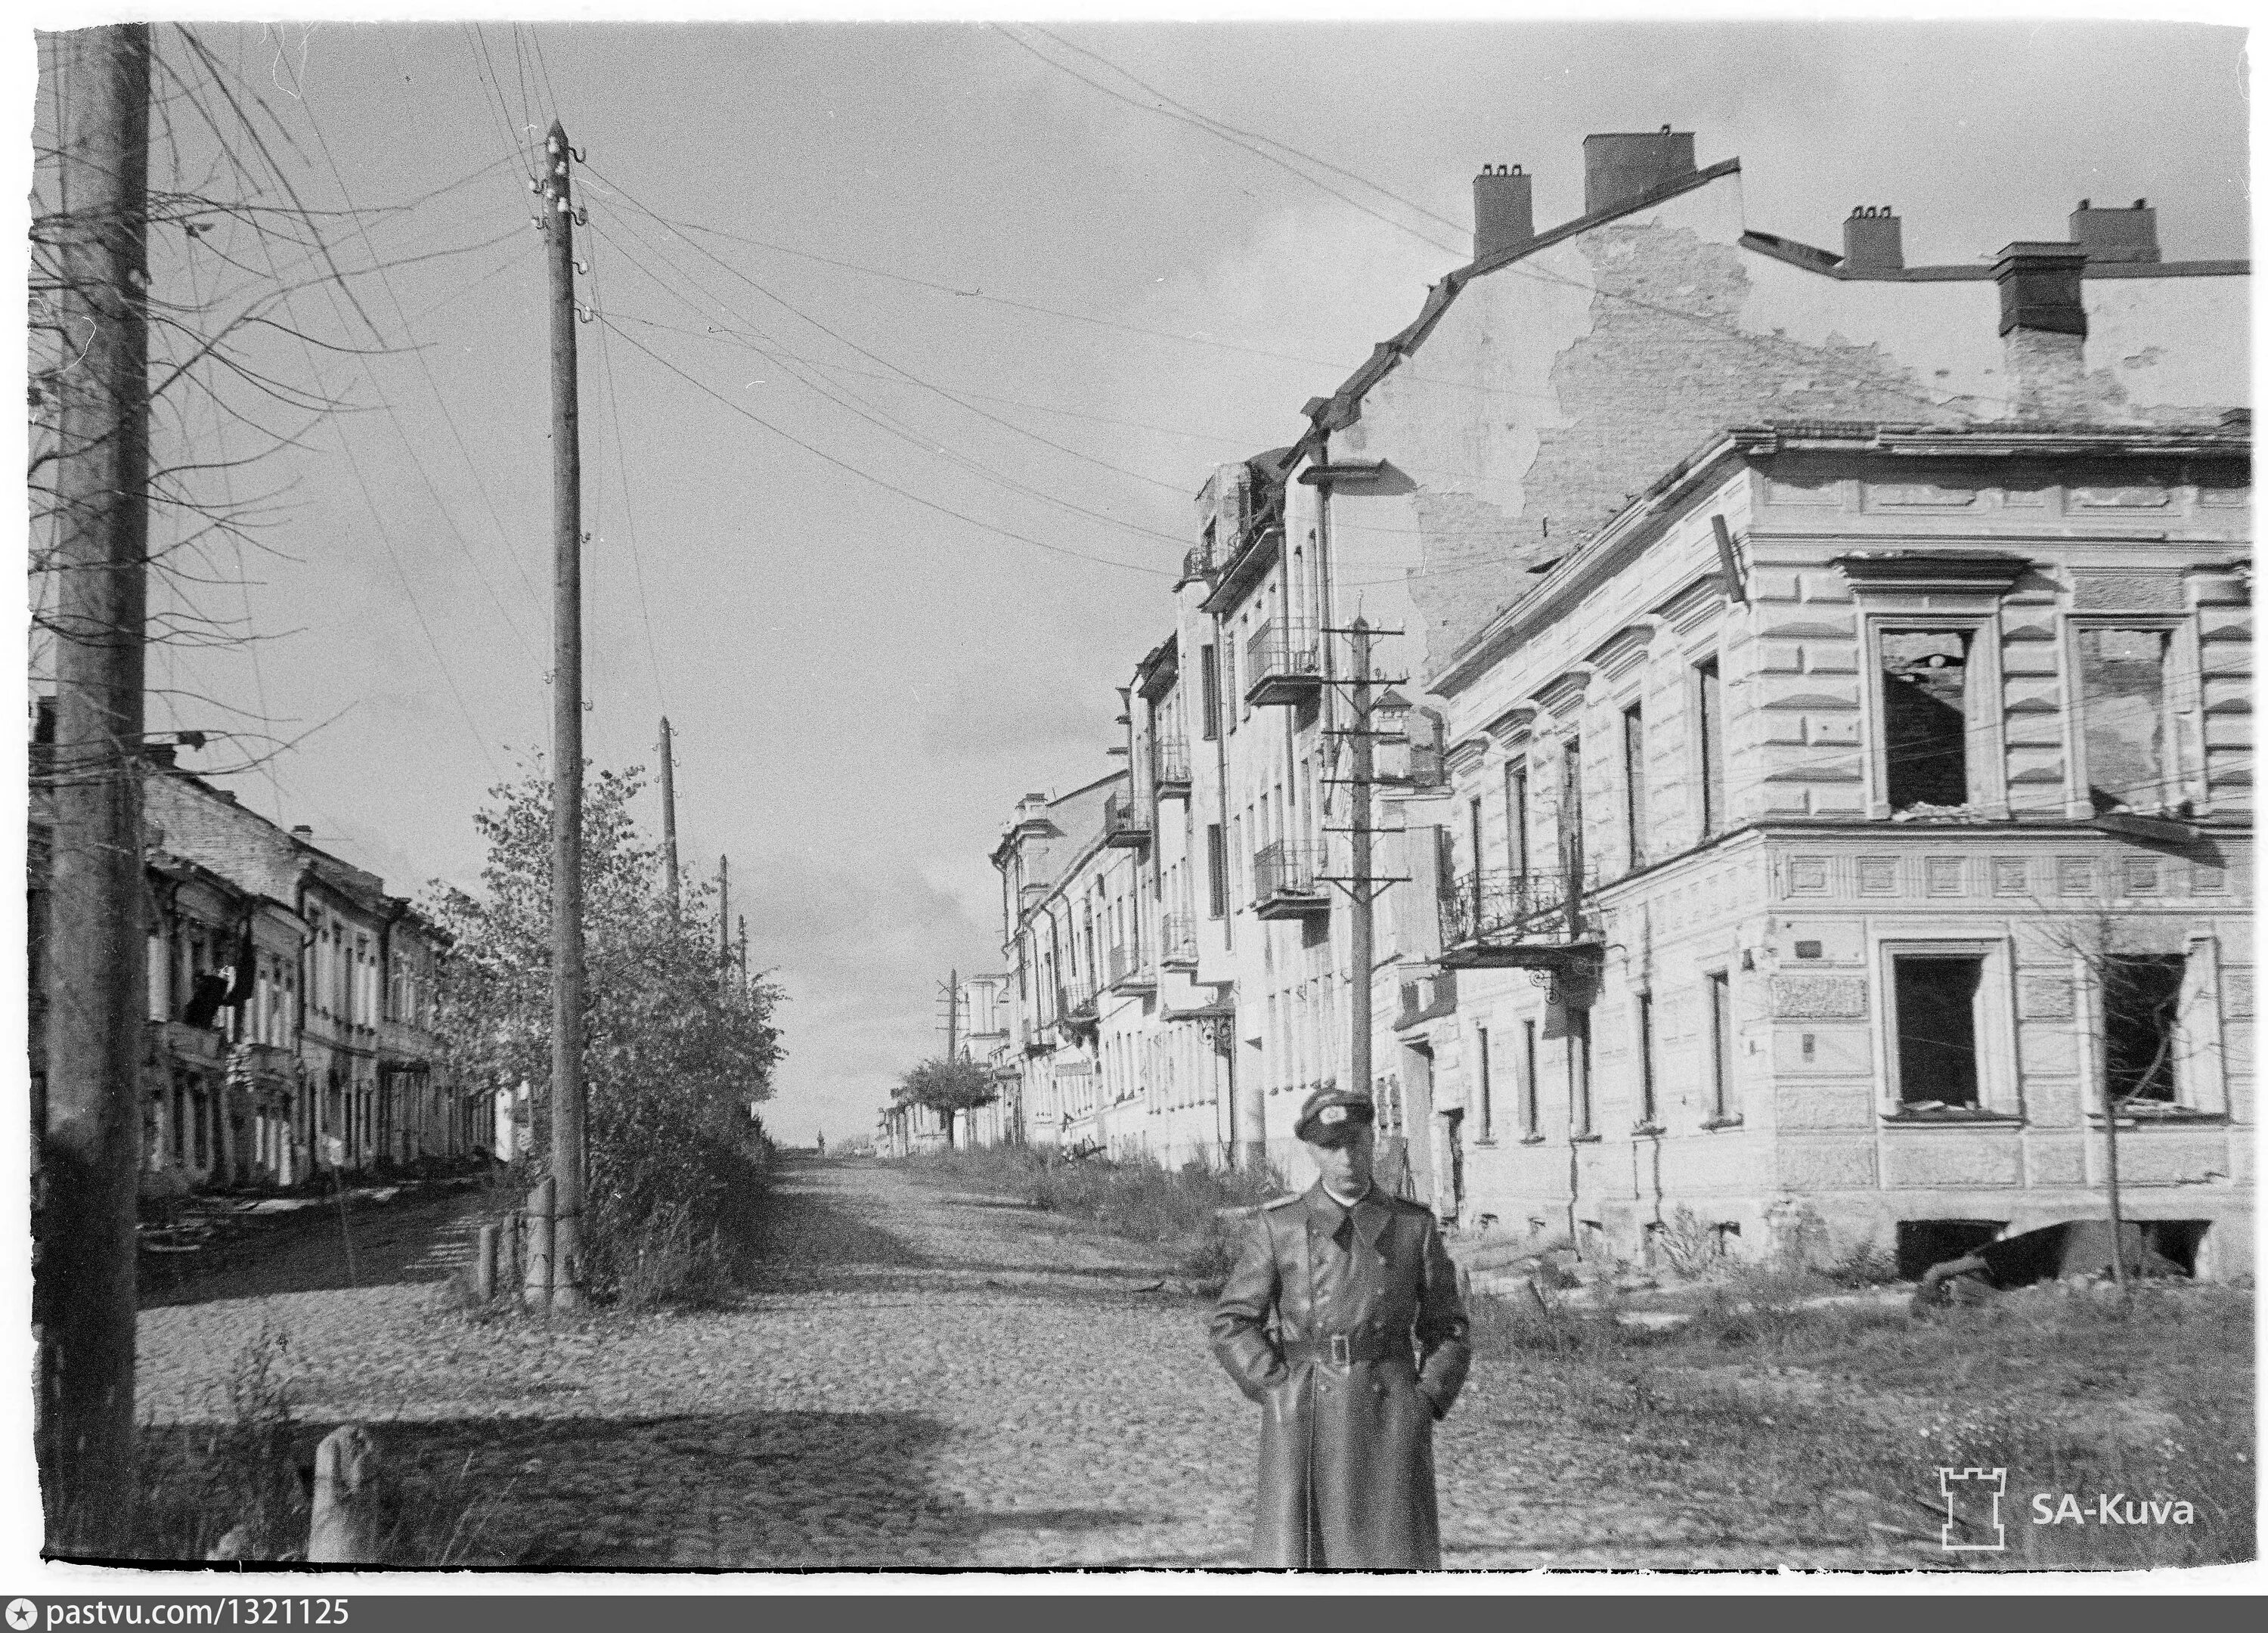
(23, 1614)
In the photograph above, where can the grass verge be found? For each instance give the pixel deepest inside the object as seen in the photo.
(1851, 1411)
(1177, 1209)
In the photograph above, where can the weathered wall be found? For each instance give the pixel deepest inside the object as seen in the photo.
(1555, 388)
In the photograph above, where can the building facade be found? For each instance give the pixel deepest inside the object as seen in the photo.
(1820, 894)
(1648, 486)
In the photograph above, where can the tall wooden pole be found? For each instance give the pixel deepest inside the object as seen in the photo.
(724, 909)
(953, 1014)
(741, 958)
(566, 735)
(669, 820)
(97, 1002)
(1362, 954)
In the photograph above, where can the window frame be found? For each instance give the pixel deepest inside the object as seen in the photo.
(1725, 1102)
(2185, 729)
(1710, 772)
(1484, 1089)
(1636, 783)
(1985, 705)
(1649, 1109)
(1531, 1099)
(1999, 1078)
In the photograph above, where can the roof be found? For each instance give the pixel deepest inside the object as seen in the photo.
(2229, 438)
(1829, 264)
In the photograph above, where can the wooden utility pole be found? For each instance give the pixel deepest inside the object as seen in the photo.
(743, 958)
(669, 822)
(566, 735)
(953, 1014)
(96, 973)
(724, 909)
(1364, 938)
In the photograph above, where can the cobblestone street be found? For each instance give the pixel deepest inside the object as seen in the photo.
(928, 1379)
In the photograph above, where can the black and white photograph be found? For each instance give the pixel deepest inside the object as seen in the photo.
(1105, 800)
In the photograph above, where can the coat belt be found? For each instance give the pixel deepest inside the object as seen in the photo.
(1347, 1349)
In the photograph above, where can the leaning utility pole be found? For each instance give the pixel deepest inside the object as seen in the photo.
(669, 820)
(566, 737)
(97, 973)
(1363, 939)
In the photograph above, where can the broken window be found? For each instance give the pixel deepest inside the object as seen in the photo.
(1936, 1010)
(2141, 1025)
(2122, 685)
(1925, 716)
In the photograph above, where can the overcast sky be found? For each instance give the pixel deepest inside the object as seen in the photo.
(862, 683)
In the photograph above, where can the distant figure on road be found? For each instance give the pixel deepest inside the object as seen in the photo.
(822, 1142)
(1352, 1277)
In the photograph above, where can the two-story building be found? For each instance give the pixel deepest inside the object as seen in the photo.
(1853, 820)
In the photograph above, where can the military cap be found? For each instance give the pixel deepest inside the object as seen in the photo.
(1330, 1113)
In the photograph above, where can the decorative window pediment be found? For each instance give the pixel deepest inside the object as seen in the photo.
(1983, 573)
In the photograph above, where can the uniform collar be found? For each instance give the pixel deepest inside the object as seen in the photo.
(1369, 1213)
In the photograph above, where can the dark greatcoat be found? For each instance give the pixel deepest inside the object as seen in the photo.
(1346, 1451)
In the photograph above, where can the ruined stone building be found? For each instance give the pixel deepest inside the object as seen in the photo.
(1811, 702)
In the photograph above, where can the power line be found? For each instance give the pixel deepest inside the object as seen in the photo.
(872, 356)
(928, 445)
(843, 465)
(622, 461)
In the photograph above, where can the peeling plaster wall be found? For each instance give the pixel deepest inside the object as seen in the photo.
(1556, 388)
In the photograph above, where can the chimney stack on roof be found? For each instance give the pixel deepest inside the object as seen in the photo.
(1874, 239)
(1504, 210)
(2044, 329)
(301, 831)
(2115, 234)
(1619, 167)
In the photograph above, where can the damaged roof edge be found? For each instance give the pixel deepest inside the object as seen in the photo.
(1343, 406)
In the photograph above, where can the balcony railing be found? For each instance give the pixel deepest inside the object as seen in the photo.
(1125, 822)
(1282, 664)
(1500, 917)
(1177, 941)
(1169, 764)
(1075, 1001)
(1200, 562)
(1287, 883)
(1130, 972)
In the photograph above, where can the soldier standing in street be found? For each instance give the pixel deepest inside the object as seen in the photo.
(1342, 1319)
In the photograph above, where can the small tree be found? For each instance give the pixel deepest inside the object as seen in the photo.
(947, 1086)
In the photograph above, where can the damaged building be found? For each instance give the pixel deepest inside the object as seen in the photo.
(1813, 741)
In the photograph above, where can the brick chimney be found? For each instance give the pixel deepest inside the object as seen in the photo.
(1504, 210)
(2130, 234)
(1618, 168)
(1874, 239)
(2043, 329)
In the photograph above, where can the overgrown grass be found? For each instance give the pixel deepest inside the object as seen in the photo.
(246, 1478)
(1852, 1410)
(1174, 1207)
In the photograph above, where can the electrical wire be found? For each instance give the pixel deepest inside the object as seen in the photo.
(844, 465)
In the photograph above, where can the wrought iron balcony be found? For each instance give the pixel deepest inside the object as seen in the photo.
(1200, 562)
(1282, 664)
(1129, 971)
(1287, 883)
(1169, 765)
(1124, 821)
(1177, 940)
(1499, 919)
(1075, 1001)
